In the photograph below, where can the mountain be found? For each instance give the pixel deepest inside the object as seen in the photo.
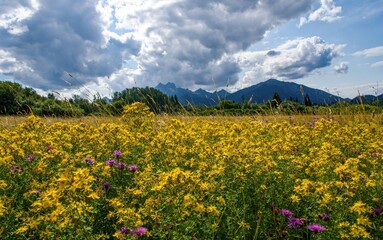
(199, 97)
(264, 91)
(259, 93)
(367, 99)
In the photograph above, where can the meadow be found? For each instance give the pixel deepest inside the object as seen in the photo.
(143, 176)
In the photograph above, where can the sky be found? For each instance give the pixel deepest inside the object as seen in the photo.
(90, 47)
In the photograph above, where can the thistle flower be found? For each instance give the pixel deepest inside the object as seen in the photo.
(378, 210)
(124, 230)
(121, 166)
(111, 162)
(117, 154)
(296, 223)
(132, 168)
(316, 228)
(139, 231)
(286, 212)
(89, 160)
(324, 217)
(107, 186)
(48, 148)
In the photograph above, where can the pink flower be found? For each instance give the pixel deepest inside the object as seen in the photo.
(139, 231)
(111, 162)
(117, 153)
(287, 213)
(316, 228)
(132, 168)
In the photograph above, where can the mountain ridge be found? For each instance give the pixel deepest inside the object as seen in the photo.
(258, 93)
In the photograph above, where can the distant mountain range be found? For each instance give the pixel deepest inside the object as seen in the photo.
(259, 93)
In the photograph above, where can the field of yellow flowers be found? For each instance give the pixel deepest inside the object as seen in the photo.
(147, 177)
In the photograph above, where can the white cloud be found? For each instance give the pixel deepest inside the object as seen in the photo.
(327, 12)
(370, 52)
(292, 60)
(341, 68)
(187, 42)
(377, 64)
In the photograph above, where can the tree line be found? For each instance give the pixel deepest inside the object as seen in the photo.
(18, 100)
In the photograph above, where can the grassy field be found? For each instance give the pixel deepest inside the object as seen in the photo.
(179, 177)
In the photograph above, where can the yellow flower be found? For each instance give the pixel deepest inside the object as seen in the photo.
(295, 198)
(359, 207)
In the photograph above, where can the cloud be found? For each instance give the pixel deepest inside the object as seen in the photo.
(327, 12)
(341, 68)
(377, 64)
(370, 52)
(191, 43)
(296, 59)
(61, 36)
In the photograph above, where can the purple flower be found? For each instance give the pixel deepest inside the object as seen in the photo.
(286, 212)
(355, 151)
(89, 160)
(132, 168)
(374, 154)
(121, 166)
(295, 223)
(324, 217)
(117, 153)
(111, 162)
(16, 169)
(124, 230)
(107, 186)
(30, 158)
(139, 231)
(378, 210)
(316, 228)
(49, 147)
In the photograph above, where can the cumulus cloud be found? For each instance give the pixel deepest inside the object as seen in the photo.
(191, 43)
(327, 12)
(341, 68)
(295, 59)
(61, 36)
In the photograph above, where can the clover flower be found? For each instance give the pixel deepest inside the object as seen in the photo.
(30, 158)
(316, 228)
(139, 231)
(48, 148)
(111, 162)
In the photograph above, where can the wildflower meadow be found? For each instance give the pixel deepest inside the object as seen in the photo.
(160, 177)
